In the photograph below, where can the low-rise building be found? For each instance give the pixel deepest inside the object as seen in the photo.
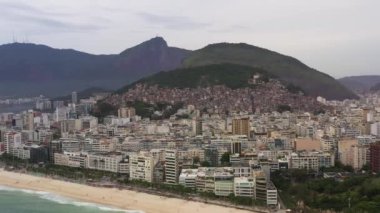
(105, 162)
(71, 159)
(271, 194)
(244, 187)
(188, 178)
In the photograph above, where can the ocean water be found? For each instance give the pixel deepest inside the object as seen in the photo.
(13, 200)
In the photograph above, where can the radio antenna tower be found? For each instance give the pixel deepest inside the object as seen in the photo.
(13, 37)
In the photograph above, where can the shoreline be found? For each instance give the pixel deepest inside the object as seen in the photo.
(122, 199)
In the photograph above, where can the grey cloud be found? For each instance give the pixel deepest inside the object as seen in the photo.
(16, 7)
(172, 22)
(51, 23)
(231, 29)
(28, 15)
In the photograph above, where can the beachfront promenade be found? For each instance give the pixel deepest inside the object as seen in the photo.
(124, 199)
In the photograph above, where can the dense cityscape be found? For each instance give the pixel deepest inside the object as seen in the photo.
(265, 97)
(207, 152)
(189, 106)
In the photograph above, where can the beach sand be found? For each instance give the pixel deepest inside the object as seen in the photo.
(124, 199)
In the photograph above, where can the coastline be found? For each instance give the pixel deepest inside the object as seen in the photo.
(122, 199)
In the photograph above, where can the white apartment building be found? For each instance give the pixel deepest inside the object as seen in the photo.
(21, 152)
(171, 166)
(311, 160)
(244, 187)
(308, 162)
(12, 140)
(224, 187)
(71, 159)
(124, 167)
(328, 144)
(188, 178)
(375, 129)
(106, 162)
(242, 171)
(224, 182)
(70, 144)
(361, 156)
(271, 194)
(141, 167)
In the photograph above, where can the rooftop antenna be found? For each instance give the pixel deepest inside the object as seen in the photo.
(13, 37)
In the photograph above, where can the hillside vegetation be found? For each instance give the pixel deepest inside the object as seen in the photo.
(230, 75)
(288, 69)
(328, 194)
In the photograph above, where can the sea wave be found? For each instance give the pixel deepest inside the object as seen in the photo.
(67, 201)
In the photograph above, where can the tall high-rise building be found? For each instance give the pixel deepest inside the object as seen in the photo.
(374, 151)
(28, 120)
(260, 185)
(240, 126)
(197, 126)
(54, 147)
(366, 111)
(375, 129)
(171, 166)
(253, 106)
(74, 97)
(141, 167)
(211, 155)
(11, 141)
(235, 146)
(61, 113)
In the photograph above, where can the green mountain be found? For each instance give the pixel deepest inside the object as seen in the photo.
(286, 68)
(230, 75)
(31, 69)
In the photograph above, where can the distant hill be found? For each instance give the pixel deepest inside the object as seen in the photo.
(230, 75)
(30, 69)
(360, 83)
(288, 69)
(222, 87)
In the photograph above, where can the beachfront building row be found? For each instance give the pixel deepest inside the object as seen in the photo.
(222, 181)
(33, 153)
(143, 166)
(110, 162)
(311, 160)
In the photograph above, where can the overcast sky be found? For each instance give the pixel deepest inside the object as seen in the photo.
(338, 37)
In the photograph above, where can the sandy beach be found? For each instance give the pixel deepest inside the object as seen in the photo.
(124, 199)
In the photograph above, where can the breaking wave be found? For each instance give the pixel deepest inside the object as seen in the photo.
(67, 201)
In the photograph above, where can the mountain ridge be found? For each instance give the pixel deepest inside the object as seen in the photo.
(360, 83)
(32, 68)
(221, 87)
(230, 75)
(287, 68)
